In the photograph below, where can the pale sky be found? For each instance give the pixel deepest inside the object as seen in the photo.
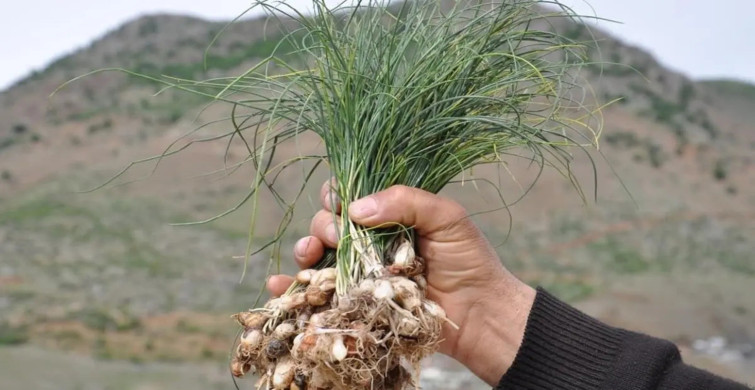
(701, 38)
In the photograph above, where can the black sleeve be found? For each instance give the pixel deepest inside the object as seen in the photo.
(565, 349)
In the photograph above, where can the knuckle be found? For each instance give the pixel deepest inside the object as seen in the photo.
(399, 193)
(318, 221)
(451, 215)
(459, 218)
(324, 192)
(329, 198)
(455, 211)
(401, 189)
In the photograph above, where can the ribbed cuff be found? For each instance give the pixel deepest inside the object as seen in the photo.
(562, 349)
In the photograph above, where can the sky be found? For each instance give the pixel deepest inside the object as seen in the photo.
(701, 38)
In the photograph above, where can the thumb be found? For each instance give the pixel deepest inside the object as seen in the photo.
(431, 215)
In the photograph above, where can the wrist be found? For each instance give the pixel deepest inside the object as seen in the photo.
(493, 332)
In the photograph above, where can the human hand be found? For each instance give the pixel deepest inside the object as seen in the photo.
(464, 274)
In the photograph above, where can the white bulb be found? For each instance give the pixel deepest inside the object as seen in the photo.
(339, 349)
(252, 337)
(284, 331)
(284, 374)
(404, 256)
(325, 274)
(383, 290)
(305, 276)
(297, 345)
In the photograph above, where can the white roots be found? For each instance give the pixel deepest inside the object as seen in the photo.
(371, 337)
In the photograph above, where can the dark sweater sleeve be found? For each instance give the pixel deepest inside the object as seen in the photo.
(565, 349)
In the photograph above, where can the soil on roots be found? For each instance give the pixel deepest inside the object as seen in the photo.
(373, 336)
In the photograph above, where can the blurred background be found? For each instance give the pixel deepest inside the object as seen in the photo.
(99, 291)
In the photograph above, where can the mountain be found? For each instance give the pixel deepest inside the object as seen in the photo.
(666, 248)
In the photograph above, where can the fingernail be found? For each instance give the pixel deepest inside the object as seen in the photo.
(331, 234)
(300, 249)
(363, 208)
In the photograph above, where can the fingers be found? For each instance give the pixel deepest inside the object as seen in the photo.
(328, 197)
(431, 215)
(278, 284)
(324, 228)
(308, 251)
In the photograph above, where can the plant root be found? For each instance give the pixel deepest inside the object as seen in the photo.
(373, 336)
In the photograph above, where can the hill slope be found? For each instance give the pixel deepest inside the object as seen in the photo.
(102, 273)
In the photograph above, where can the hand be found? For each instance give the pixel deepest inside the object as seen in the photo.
(464, 274)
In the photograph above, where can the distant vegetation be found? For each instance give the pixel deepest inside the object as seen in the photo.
(732, 87)
(237, 55)
(13, 335)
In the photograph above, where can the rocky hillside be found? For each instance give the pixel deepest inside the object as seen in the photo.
(666, 249)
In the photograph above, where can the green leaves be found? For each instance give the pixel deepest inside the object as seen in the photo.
(418, 95)
(413, 94)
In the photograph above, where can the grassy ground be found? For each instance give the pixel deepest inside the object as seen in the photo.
(41, 369)
(106, 275)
